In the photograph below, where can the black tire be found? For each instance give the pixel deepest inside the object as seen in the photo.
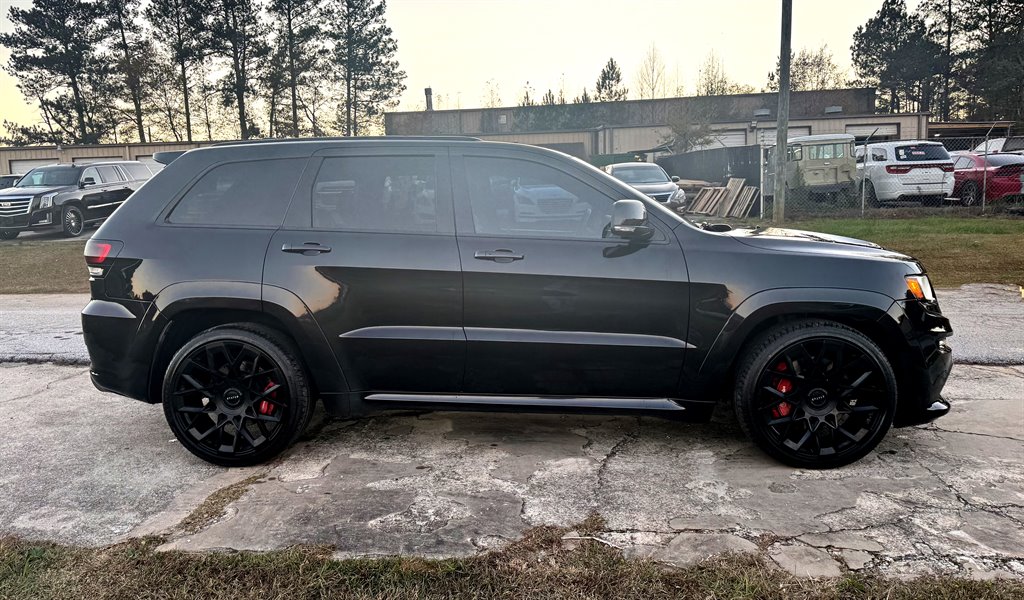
(216, 387)
(72, 221)
(784, 406)
(870, 198)
(969, 194)
(8, 235)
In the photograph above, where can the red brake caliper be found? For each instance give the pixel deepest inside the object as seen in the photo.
(785, 386)
(267, 407)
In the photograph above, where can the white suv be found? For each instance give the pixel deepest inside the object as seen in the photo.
(905, 170)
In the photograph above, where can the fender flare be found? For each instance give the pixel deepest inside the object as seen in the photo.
(844, 305)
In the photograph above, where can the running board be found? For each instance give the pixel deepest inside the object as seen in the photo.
(531, 402)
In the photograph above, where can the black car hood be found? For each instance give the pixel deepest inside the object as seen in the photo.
(32, 191)
(795, 240)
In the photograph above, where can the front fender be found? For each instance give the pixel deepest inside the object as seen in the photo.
(704, 371)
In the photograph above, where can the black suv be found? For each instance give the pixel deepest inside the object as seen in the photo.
(68, 197)
(246, 281)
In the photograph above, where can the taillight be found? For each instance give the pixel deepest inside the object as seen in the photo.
(897, 169)
(99, 254)
(947, 168)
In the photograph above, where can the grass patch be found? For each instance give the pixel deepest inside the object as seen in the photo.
(213, 507)
(954, 250)
(44, 267)
(538, 566)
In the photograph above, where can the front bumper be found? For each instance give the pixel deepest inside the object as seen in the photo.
(37, 219)
(924, 366)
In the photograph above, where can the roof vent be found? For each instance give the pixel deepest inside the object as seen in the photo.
(833, 110)
(763, 112)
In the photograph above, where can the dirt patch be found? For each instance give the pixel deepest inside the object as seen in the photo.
(213, 507)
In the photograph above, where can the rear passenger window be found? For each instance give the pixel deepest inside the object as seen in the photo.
(253, 193)
(137, 172)
(376, 193)
(109, 174)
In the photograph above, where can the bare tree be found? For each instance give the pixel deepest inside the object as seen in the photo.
(811, 70)
(712, 79)
(650, 77)
(492, 95)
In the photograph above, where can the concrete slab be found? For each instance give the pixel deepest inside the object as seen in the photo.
(804, 561)
(84, 467)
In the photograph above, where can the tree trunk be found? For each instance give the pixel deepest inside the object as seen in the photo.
(293, 76)
(184, 94)
(947, 68)
(79, 110)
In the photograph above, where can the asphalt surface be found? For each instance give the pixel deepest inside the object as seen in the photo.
(988, 325)
(83, 467)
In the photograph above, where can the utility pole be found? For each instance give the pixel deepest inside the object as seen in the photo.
(782, 118)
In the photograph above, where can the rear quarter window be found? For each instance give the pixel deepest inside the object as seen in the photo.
(918, 152)
(137, 172)
(253, 193)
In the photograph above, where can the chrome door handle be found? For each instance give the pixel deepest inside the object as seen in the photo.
(501, 255)
(306, 249)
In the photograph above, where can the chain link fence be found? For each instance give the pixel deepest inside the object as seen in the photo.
(903, 178)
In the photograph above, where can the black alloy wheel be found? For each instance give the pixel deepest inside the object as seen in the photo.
(969, 194)
(236, 396)
(73, 221)
(816, 394)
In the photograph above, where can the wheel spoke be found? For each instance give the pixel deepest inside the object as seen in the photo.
(797, 445)
(856, 383)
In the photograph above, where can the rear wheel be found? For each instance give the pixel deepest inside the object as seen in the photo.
(236, 395)
(815, 394)
(870, 198)
(8, 235)
(969, 194)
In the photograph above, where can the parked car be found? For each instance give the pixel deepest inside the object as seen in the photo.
(7, 181)
(68, 197)
(245, 282)
(1001, 178)
(650, 179)
(818, 165)
(905, 170)
(1006, 145)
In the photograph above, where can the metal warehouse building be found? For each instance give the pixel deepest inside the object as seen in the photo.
(603, 128)
(20, 160)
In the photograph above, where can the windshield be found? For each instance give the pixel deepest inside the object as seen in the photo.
(921, 152)
(640, 174)
(50, 176)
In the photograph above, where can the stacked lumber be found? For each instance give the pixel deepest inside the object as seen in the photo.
(733, 200)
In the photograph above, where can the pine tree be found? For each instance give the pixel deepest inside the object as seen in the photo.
(298, 33)
(609, 83)
(239, 36)
(364, 60)
(134, 55)
(70, 77)
(182, 28)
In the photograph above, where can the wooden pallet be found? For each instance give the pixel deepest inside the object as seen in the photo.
(732, 189)
(744, 202)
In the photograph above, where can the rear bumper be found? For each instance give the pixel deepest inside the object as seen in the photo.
(110, 330)
(890, 189)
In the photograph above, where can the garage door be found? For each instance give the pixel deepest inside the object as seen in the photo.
(725, 138)
(88, 160)
(886, 131)
(766, 135)
(20, 167)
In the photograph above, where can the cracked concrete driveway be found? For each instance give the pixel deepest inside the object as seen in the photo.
(84, 467)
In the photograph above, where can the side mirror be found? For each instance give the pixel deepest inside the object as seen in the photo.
(87, 182)
(629, 220)
(675, 179)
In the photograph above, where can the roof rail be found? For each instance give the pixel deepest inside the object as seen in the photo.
(450, 138)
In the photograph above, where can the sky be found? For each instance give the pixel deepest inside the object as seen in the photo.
(458, 46)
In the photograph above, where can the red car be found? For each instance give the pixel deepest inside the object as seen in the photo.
(1005, 176)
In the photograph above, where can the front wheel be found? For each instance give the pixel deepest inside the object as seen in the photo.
(815, 394)
(72, 220)
(237, 395)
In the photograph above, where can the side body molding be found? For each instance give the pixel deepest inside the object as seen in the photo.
(704, 372)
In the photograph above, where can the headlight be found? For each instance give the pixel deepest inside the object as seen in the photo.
(678, 195)
(919, 287)
(47, 200)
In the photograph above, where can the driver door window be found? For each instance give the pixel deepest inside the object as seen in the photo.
(92, 173)
(522, 198)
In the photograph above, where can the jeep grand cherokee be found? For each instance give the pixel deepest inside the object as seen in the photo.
(247, 281)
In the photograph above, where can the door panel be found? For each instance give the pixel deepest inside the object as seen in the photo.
(582, 316)
(387, 292)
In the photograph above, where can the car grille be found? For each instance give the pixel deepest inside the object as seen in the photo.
(661, 197)
(13, 207)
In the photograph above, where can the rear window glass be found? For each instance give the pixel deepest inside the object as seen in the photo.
(998, 160)
(109, 174)
(921, 152)
(137, 171)
(253, 193)
(1013, 144)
